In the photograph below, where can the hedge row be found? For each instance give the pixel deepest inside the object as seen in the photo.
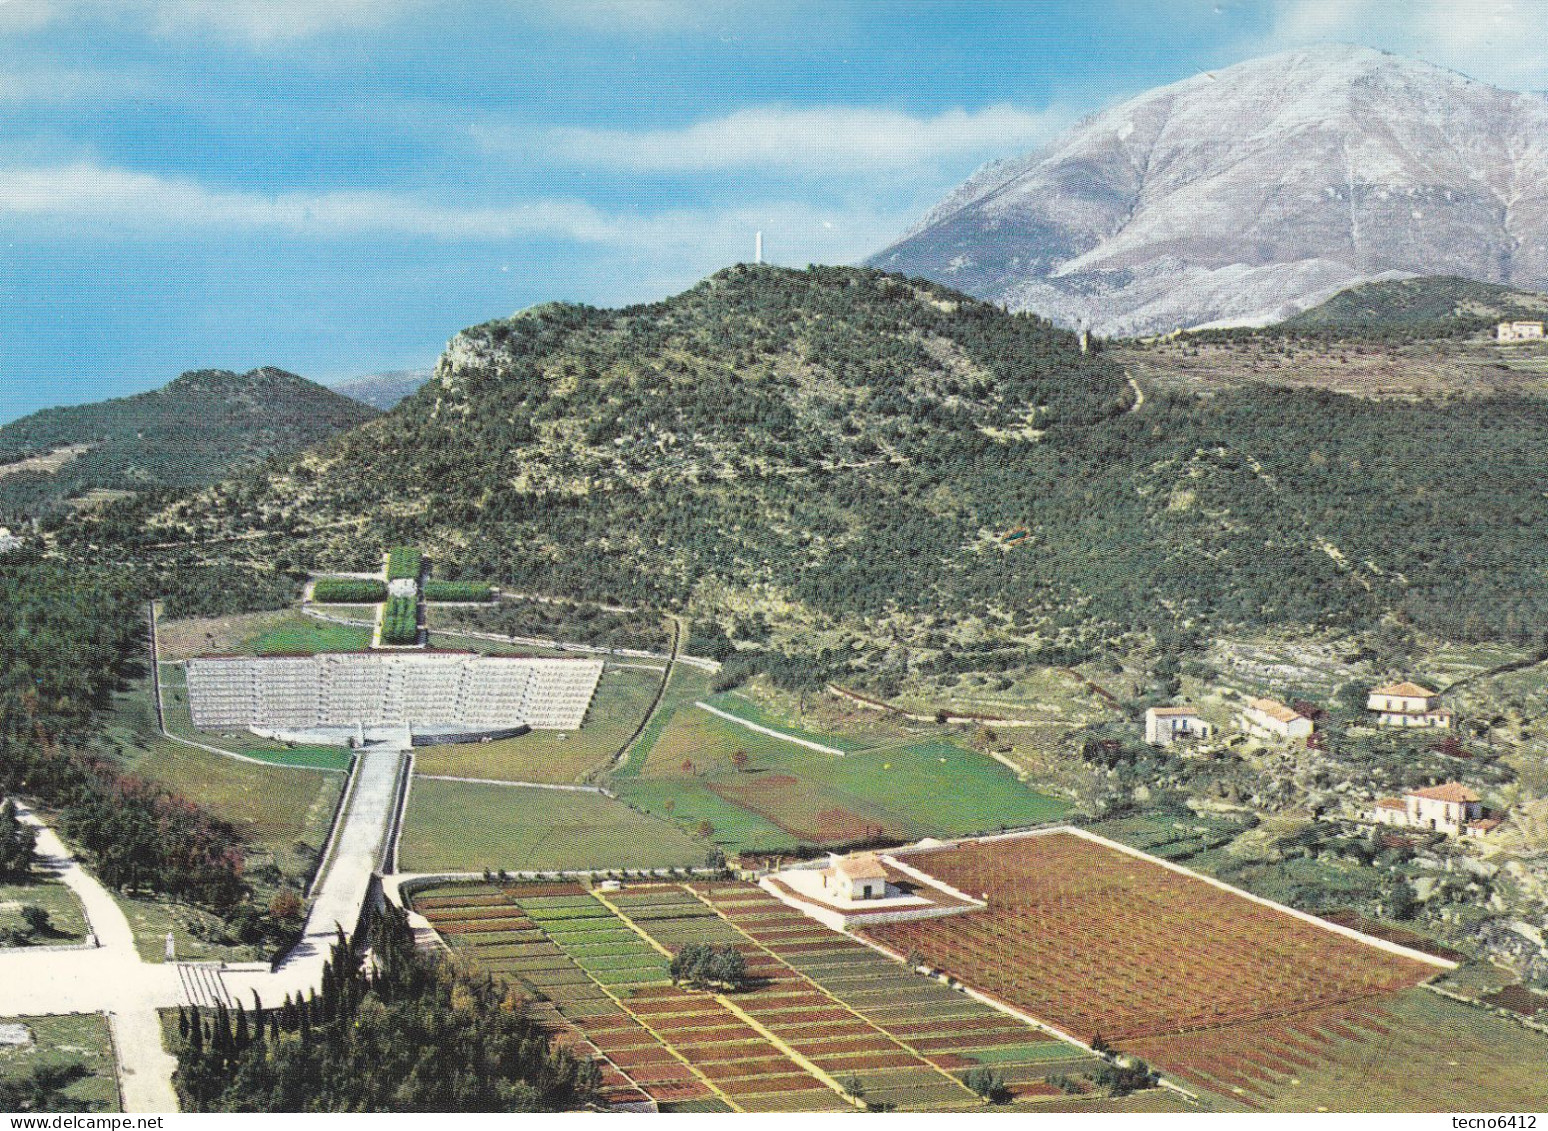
(458, 591)
(403, 562)
(400, 621)
(348, 591)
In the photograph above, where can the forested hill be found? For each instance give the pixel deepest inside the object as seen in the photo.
(873, 458)
(189, 432)
(1398, 312)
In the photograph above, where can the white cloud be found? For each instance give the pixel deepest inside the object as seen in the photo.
(98, 198)
(784, 140)
(257, 21)
(1498, 41)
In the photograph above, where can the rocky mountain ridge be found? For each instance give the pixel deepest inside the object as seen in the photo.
(1246, 195)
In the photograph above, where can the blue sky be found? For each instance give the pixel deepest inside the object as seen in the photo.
(338, 186)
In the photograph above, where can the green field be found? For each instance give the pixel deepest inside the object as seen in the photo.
(297, 633)
(622, 698)
(463, 827)
(78, 1044)
(273, 807)
(888, 783)
(67, 920)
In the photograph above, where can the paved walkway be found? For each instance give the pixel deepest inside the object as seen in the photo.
(108, 978)
(111, 977)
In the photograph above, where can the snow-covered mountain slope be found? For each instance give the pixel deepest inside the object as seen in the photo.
(1248, 194)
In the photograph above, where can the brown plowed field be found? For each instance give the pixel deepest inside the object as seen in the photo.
(1103, 943)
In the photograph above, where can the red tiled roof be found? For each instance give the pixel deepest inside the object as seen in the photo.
(861, 867)
(1274, 709)
(1405, 689)
(1451, 791)
(1172, 712)
(1390, 803)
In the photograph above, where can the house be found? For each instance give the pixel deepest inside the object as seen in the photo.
(8, 541)
(1518, 332)
(1269, 718)
(1165, 725)
(1407, 705)
(1451, 808)
(855, 877)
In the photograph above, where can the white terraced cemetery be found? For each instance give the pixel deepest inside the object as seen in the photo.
(452, 694)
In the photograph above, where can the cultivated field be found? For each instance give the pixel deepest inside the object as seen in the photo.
(821, 1010)
(1412, 1051)
(889, 782)
(467, 827)
(1102, 943)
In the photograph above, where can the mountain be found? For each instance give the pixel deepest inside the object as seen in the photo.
(856, 460)
(192, 431)
(1246, 195)
(382, 390)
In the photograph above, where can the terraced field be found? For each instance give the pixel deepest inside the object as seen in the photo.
(822, 1013)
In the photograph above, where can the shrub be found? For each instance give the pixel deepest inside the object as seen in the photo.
(400, 621)
(988, 1084)
(348, 591)
(704, 965)
(403, 563)
(458, 591)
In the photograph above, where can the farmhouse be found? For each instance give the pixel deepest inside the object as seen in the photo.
(1518, 332)
(1407, 705)
(1450, 808)
(451, 693)
(855, 877)
(1269, 718)
(1165, 725)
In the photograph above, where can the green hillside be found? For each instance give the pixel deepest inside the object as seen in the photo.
(193, 431)
(842, 463)
(1426, 302)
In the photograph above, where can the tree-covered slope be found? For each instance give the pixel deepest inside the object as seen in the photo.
(844, 450)
(1436, 306)
(190, 432)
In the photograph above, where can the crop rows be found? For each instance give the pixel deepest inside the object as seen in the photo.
(828, 1000)
(1101, 943)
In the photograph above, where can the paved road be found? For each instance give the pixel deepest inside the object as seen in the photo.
(339, 901)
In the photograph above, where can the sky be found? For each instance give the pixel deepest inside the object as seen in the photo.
(336, 187)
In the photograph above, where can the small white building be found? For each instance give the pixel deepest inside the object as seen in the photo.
(1165, 725)
(1407, 705)
(856, 877)
(1269, 718)
(402, 587)
(8, 541)
(1518, 332)
(1451, 808)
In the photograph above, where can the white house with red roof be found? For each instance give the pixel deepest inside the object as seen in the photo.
(1269, 718)
(1407, 704)
(857, 876)
(1450, 808)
